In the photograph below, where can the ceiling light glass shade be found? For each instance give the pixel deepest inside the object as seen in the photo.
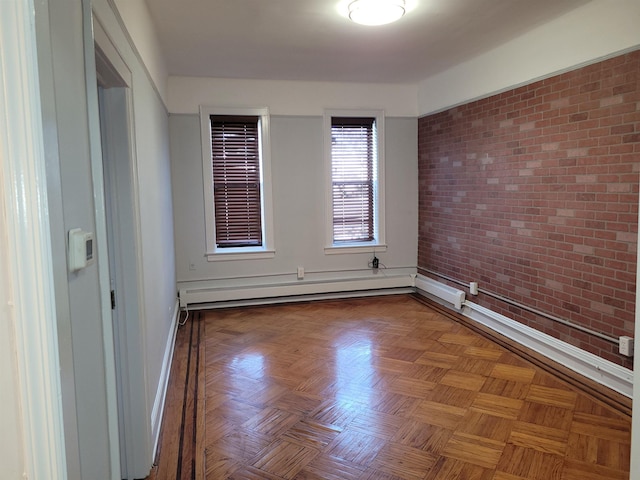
(376, 12)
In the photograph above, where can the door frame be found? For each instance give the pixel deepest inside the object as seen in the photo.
(30, 265)
(117, 187)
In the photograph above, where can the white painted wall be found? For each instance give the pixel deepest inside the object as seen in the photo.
(156, 228)
(137, 21)
(298, 202)
(186, 94)
(598, 29)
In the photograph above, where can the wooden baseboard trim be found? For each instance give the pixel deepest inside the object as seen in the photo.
(603, 395)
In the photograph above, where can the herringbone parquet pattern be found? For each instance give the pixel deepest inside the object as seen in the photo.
(372, 389)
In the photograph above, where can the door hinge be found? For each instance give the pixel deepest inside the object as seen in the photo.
(113, 299)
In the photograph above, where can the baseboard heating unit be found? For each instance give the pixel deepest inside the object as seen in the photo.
(203, 294)
(440, 292)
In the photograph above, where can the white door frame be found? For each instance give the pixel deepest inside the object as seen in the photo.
(134, 420)
(117, 188)
(30, 265)
(101, 238)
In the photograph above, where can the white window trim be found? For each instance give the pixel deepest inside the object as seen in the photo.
(378, 244)
(267, 250)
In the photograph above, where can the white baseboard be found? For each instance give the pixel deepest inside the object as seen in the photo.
(163, 383)
(587, 364)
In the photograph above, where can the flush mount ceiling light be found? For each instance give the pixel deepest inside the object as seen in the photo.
(376, 12)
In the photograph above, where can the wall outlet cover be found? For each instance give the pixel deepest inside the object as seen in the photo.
(626, 346)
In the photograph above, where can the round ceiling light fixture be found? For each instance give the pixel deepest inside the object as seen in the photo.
(376, 12)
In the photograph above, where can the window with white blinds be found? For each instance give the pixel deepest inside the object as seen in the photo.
(353, 155)
(235, 151)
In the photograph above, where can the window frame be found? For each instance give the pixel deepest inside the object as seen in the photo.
(378, 243)
(266, 250)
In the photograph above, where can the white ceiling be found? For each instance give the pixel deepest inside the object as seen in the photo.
(312, 40)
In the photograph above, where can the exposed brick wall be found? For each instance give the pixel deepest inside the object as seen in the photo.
(533, 193)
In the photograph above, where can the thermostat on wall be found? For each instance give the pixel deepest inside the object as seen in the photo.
(80, 249)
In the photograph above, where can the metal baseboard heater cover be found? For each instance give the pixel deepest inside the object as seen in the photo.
(441, 291)
(203, 294)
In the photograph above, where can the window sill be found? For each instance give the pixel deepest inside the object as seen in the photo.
(237, 254)
(353, 248)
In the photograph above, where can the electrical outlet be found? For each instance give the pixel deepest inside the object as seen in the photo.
(192, 266)
(375, 263)
(300, 273)
(626, 346)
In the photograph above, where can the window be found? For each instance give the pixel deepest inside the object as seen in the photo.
(236, 181)
(352, 179)
(354, 149)
(236, 173)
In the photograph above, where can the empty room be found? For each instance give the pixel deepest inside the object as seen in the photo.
(309, 240)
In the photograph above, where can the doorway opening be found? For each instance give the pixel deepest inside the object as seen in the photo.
(122, 223)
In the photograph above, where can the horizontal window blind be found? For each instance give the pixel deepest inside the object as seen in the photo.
(236, 180)
(352, 175)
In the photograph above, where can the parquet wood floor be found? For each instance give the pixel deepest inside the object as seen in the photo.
(380, 388)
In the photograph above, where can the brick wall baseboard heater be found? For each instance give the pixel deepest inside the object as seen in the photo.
(593, 367)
